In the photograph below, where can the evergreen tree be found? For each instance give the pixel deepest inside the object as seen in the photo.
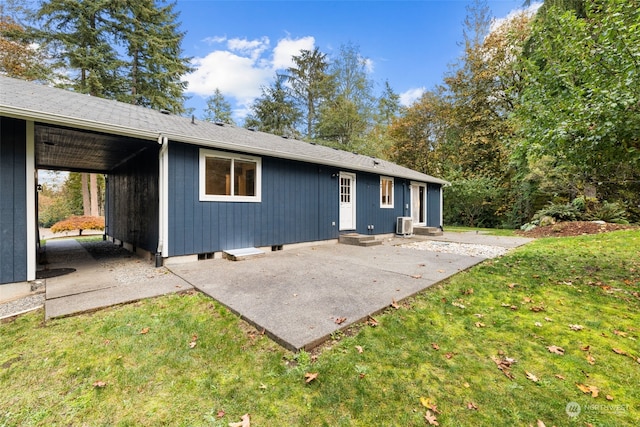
(274, 111)
(154, 65)
(218, 109)
(81, 34)
(310, 85)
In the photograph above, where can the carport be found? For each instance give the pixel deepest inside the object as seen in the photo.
(42, 129)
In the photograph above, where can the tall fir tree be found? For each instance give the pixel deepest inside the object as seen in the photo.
(155, 63)
(310, 85)
(218, 109)
(275, 111)
(81, 35)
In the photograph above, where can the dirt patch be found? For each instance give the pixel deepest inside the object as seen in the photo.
(574, 228)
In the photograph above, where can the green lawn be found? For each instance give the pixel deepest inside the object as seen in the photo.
(438, 352)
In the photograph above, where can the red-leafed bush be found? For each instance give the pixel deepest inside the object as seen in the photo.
(79, 223)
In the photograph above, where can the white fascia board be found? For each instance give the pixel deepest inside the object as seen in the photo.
(73, 122)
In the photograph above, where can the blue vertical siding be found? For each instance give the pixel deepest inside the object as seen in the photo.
(368, 210)
(13, 200)
(300, 203)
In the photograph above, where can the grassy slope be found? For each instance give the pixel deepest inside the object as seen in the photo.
(48, 371)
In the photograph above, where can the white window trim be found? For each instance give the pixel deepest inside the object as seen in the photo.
(393, 198)
(204, 153)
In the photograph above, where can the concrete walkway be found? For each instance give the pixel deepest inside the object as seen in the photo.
(98, 284)
(295, 295)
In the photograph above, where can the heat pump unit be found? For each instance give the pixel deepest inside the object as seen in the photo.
(404, 225)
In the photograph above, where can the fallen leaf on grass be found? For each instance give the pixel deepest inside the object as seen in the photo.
(504, 364)
(620, 333)
(449, 355)
(220, 414)
(480, 325)
(246, 422)
(585, 348)
(431, 419)
(428, 403)
(619, 351)
(527, 300)
(532, 377)
(472, 406)
(144, 331)
(457, 304)
(394, 304)
(548, 319)
(609, 397)
(591, 359)
(194, 338)
(560, 377)
(310, 376)
(435, 346)
(512, 285)
(340, 320)
(359, 348)
(576, 327)
(371, 321)
(555, 349)
(99, 384)
(588, 389)
(539, 423)
(537, 308)
(538, 324)
(468, 291)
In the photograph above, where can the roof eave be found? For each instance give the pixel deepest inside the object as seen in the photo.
(68, 121)
(289, 156)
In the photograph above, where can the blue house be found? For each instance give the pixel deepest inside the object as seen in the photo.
(179, 187)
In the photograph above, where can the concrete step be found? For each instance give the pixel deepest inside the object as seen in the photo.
(426, 231)
(358, 240)
(242, 254)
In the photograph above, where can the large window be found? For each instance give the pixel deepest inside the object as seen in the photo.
(229, 177)
(386, 192)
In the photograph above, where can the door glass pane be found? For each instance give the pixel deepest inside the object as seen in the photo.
(345, 190)
(218, 176)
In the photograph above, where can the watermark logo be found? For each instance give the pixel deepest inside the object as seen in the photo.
(573, 409)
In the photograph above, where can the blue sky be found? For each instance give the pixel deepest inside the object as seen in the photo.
(238, 46)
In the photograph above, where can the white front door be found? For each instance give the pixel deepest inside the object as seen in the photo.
(418, 203)
(347, 201)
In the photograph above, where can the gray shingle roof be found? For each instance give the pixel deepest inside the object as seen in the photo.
(45, 104)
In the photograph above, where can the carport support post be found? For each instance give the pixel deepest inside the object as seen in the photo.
(32, 220)
(163, 201)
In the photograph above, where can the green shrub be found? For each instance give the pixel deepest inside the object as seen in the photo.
(559, 212)
(608, 212)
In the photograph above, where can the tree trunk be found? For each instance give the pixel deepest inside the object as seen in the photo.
(86, 200)
(93, 193)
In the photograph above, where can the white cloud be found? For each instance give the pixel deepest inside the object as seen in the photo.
(410, 96)
(531, 10)
(242, 67)
(215, 40)
(287, 48)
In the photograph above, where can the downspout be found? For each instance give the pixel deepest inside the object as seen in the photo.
(163, 201)
(31, 196)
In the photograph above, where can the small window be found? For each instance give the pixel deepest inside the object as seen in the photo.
(229, 177)
(386, 192)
